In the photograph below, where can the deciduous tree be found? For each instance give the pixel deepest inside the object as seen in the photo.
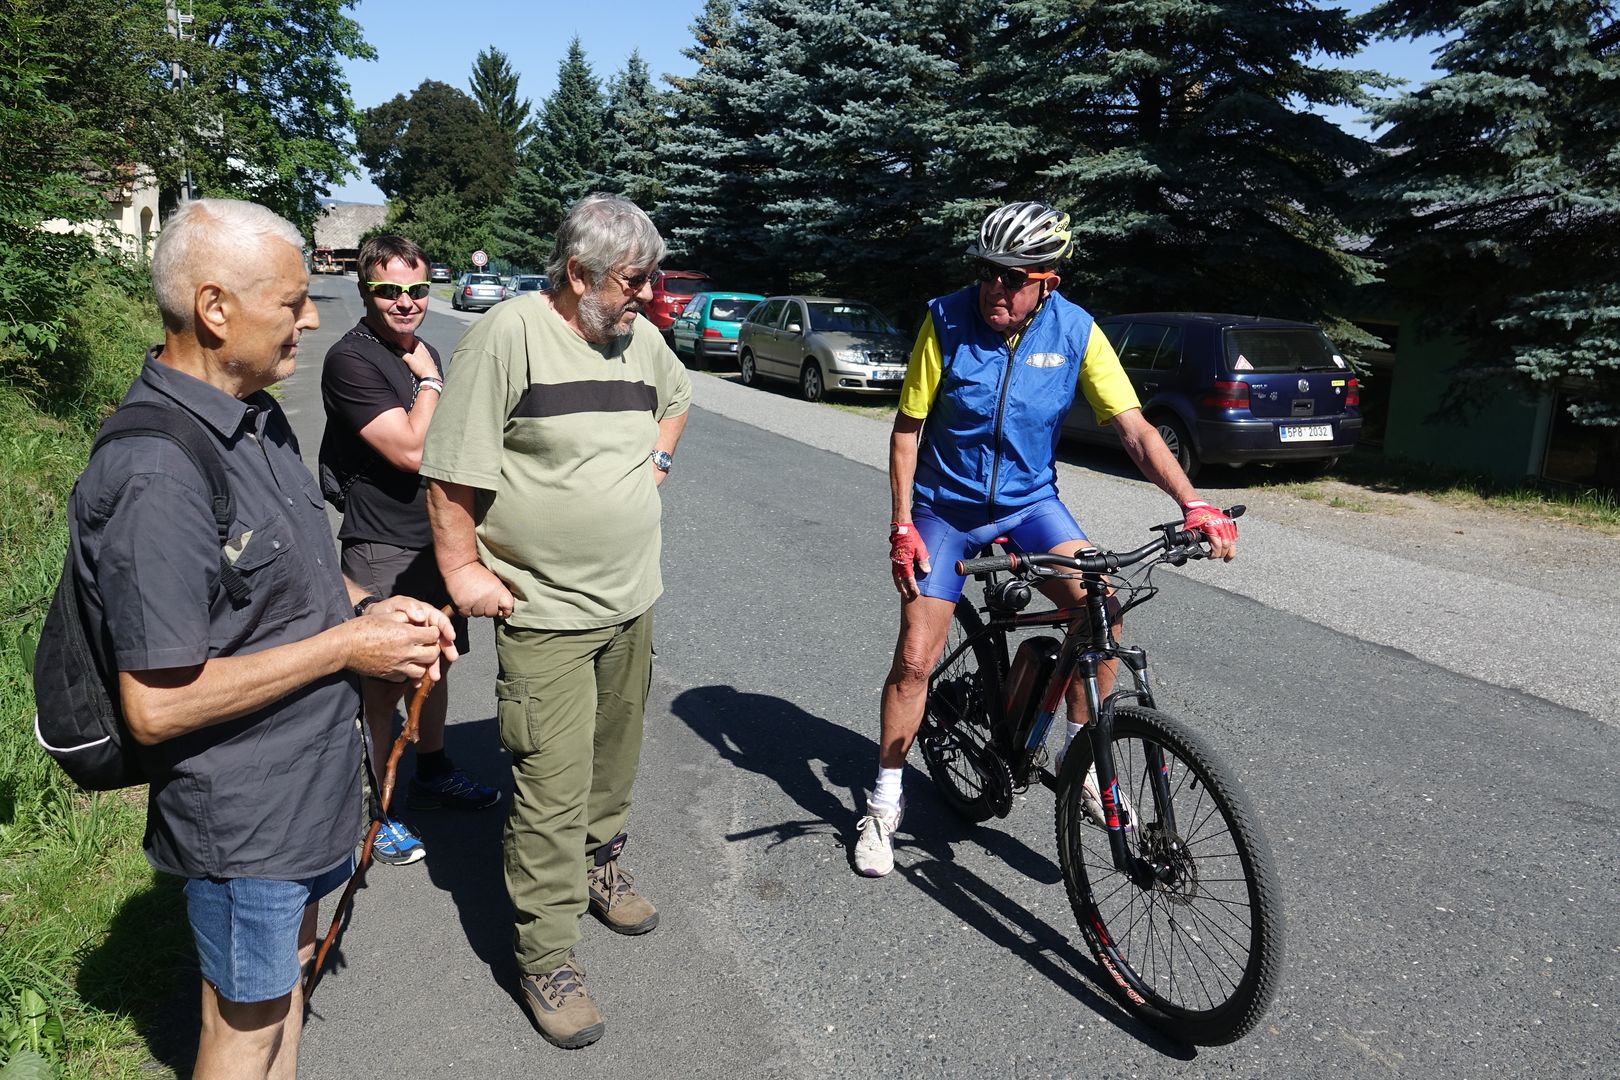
(436, 140)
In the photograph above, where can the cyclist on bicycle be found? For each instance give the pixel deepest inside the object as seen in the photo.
(994, 370)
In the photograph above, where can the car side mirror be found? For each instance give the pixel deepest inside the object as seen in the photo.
(794, 328)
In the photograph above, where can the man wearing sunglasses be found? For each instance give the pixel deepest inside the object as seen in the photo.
(972, 457)
(559, 426)
(381, 385)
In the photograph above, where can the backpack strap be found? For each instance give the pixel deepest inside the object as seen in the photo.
(176, 425)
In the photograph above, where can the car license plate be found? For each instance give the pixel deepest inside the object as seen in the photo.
(888, 374)
(1306, 432)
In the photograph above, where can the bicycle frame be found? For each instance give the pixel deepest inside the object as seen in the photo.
(1083, 627)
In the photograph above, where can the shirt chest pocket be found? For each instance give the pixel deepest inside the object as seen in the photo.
(263, 557)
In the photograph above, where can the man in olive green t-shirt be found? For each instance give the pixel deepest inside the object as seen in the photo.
(558, 422)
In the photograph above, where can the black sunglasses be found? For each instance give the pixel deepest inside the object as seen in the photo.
(388, 290)
(1011, 277)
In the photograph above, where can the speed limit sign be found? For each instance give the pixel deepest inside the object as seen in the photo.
(479, 258)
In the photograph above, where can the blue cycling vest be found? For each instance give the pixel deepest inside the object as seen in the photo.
(991, 435)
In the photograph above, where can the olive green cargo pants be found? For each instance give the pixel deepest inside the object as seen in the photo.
(570, 705)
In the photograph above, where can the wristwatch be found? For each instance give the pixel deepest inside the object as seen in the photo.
(365, 602)
(661, 460)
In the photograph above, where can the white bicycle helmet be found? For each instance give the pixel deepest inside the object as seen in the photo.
(1023, 234)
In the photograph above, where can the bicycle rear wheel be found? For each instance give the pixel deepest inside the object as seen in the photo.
(1198, 955)
(955, 738)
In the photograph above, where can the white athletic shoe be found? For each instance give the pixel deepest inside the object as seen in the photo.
(874, 840)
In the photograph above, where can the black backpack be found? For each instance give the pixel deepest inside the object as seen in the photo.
(79, 722)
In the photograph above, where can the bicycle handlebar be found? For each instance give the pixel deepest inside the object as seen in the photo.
(1101, 562)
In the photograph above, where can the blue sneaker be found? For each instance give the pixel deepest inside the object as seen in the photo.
(397, 845)
(454, 790)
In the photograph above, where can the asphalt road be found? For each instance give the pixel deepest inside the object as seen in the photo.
(1447, 844)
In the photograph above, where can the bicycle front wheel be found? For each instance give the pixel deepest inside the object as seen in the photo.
(1197, 951)
(963, 696)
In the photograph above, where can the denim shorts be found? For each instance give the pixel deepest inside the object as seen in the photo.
(1036, 528)
(246, 930)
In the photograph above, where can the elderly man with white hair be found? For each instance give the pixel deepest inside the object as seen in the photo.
(558, 423)
(242, 702)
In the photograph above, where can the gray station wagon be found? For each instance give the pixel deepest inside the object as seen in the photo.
(824, 344)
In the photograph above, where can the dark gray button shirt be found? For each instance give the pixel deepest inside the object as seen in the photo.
(276, 793)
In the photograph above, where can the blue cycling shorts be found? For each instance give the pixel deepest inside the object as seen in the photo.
(1036, 528)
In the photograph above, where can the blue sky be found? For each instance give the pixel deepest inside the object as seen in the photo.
(436, 39)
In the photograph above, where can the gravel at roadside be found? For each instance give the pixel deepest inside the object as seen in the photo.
(1527, 605)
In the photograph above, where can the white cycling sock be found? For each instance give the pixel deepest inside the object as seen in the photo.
(1068, 738)
(886, 792)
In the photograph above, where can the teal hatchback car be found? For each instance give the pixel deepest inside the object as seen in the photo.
(707, 327)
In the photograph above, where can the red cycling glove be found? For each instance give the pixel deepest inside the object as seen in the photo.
(1204, 518)
(906, 549)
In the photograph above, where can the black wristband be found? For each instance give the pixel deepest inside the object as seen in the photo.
(365, 602)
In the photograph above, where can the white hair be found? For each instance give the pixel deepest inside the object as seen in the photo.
(218, 239)
(604, 232)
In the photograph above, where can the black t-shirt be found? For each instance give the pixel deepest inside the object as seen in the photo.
(363, 378)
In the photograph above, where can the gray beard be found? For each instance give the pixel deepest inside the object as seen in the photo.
(598, 322)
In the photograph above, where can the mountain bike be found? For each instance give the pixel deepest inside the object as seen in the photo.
(1165, 863)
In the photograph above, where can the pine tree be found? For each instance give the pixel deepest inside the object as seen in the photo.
(494, 86)
(1502, 190)
(632, 137)
(1177, 135)
(566, 152)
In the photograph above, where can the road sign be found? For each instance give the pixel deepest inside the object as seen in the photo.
(479, 258)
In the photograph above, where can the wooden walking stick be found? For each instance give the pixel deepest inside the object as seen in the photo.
(413, 720)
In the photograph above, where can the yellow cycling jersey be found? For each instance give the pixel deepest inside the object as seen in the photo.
(1102, 378)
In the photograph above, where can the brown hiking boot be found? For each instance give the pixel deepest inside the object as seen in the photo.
(562, 1008)
(615, 901)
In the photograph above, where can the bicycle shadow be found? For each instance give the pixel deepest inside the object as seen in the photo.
(779, 740)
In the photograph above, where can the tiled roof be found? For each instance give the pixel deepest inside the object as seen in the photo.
(344, 223)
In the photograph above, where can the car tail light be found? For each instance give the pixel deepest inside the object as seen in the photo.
(1226, 394)
(709, 331)
(1352, 395)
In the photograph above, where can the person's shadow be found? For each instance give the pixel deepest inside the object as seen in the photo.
(779, 740)
(145, 969)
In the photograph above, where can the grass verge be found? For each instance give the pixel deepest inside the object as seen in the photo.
(90, 937)
(1588, 508)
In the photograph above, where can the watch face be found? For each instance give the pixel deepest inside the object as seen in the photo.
(662, 460)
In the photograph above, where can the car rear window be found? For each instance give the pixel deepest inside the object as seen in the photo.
(1283, 348)
(849, 319)
(483, 279)
(530, 284)
(683, 286)
(722, 309)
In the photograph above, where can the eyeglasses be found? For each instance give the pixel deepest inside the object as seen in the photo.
(390, 290)
(1011, 277)
(635, 282)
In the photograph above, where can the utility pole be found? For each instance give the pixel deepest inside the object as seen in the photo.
(180, 25)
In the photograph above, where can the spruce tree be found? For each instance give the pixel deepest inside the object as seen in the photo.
(566, 152)
(712, 162)
(1177, 134)
(632, 137)
(835, 146)
(1501, 188)
(494, 86)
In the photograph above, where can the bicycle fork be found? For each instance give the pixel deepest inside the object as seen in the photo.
(1122, 819)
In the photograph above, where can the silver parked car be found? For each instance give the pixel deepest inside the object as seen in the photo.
(824, 344)
(477, 292)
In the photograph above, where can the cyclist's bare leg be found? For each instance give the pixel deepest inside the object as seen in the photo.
(924, 624)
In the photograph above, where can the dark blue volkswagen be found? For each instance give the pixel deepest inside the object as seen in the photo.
(1233, 389)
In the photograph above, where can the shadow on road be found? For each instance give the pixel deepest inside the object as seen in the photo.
(779, 740)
